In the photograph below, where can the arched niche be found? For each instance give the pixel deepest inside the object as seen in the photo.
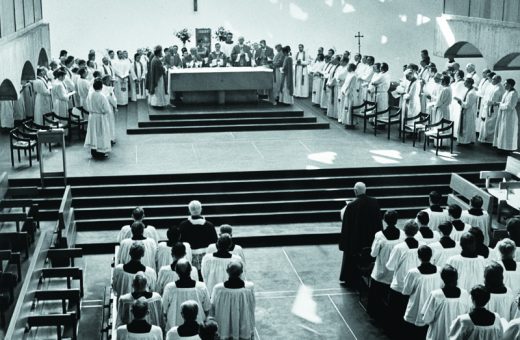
(462, 49)
(28, 72)
(7, 90)
(43, 59)
(510, 62)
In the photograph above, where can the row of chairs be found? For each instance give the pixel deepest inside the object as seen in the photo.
(415, 125)
(24, 137)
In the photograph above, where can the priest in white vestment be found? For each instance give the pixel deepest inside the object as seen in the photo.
(348, 95)
(60, 95)
(411, 101)
(43, 99)
(139, 72)
(506, 130)
(140, 291)
(233, 305)
(168, 274)
(98, 129)
(124, 273)
(481, 90)
(379, 86)
(149, 245)
(185, 288)
(364, 77)
(335, 83)
(324, 95)
(83, 86)
(468, 112)
(108, 91)
(444, 305)
(139, 328)
(441, 108)
(106, 68)
(458, 90)
(301, 73)
(489, 109)
(138, 216)
(121, 77)
(316, 73)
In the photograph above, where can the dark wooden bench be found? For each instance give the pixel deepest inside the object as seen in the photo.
(11, 258)
(66, 226)
(73, 296)
(61, 257)
(15, 241)
(70, 273)
(67, 321)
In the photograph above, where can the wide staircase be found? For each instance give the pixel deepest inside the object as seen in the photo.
(260, 198)
(230, 118)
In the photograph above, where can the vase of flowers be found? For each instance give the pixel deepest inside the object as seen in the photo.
(221, 33)
(184, 35)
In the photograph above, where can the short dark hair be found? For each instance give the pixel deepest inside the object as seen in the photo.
(423, 218)
(471, 81)
(69, 60)
(157, 50)
(136, 251)
(467, 241)
(98, 85)
(425, 253)
(173, 234)
(63, 53)
(384, 67)
(449, 274)
(511, 82)
(139, 309)
(513, 229)
(478, 234)
(480, 295)
(209, 329)
(445, 228)
(82, 71)
(138, 226)
(460, 74)
(138, 213)
(97, 74)
(390, 217)
(476, 202)
(493, 275)
(179, 250)
(410, 228)
(435, 197)
(455, 211)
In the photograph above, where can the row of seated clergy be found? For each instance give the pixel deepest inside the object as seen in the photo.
(461, 220)
(232, 305)
(213, 266)
(401, 258)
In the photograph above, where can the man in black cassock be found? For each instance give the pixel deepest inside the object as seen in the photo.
(361, 221)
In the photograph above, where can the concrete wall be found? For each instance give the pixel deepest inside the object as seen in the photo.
(395, 30)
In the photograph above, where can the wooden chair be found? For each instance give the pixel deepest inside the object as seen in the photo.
(364, 111)
(439, 131)
(78, 122)
(377, 116)
(415, 125)
(31, 127)
(390, 119)
(57, 122)
(20, 140)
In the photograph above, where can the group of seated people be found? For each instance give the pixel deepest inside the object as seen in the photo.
(437, 278)
(485, 107)
(190, 287)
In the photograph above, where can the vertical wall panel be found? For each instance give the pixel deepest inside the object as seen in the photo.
(29, 12)
(18, 14)
(512, 11)
(7, 17)
(38, 9)
(457, 7)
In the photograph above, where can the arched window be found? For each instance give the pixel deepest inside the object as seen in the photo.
(7, 90)
(462, 49)
(43, 60)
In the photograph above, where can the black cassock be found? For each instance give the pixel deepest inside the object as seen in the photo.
(361, 221)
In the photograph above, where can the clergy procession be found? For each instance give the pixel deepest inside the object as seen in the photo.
(436, 277)
(192, 286)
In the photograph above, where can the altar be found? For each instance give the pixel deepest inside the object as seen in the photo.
(222, 85)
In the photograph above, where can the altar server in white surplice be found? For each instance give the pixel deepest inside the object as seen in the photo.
(469, 265)
(233, 305)
(418, 284)
(139, 72)
(316, 69)
(139, 328)
(512, 330)
(446, 247)
(214, 265)
(235, 249)
(459, 227)
(154, 301)
(506, 130)
(98, 130)
(425, 234)
(441, 108)
(168, 274)
(482, 85)
(83, 86)
(122, 73)
(184, 289)
(502, 298)
(69, 81)
(302, 61)
(458, 90)
(138, 216)
(435, 212)
(327, 70)
(379, 86)
(335, 84)
(477, 217)
(108, 91)
(384, 242)
(411, 101)
(124, 273)
(60, 94)
(468, 112)
(444, 305)
(347, 96)
(43, 99)
(489, 109)
(507, 249)
(190, 327)
(149, 244)
(479, 323)
(164, 249)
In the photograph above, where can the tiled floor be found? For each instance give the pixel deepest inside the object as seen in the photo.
(278, 274)
(243, 151)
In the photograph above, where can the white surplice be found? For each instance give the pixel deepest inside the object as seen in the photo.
(506, 130)
(149, 231)
(347, 98)
(43, 99)
(98, 128)
(470, 269)
(436, 218)
(167, 275)
(440, 255)
(155, 333)
(122, 281)
(400, 261)
(173, 298)
(301, 74)
(381, 249)
(483, 222)
(150, 251)
(466, 129)
(503, 304)
(164, 254)
(214, 269)
(124, 310)
(489, 111)
(463, 328)
(419, 286)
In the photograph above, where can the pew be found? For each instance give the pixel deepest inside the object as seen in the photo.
(66, 226)
(15, 241)
(70, 273)
(11, 258)
(463, 190)
(27, 212)
(114, 299)
(56, 320)
(73, 296)
(64, 256)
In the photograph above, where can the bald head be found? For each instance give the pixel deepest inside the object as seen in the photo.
(360, 188)
(235, 269)
(140, 282)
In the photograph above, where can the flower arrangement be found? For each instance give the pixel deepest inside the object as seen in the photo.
(183, 35)
(221, 33)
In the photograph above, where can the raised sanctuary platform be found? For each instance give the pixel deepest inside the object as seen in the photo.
(220, 85)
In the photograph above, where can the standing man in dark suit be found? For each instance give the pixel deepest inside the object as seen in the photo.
(361, 221)
(264, 54)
